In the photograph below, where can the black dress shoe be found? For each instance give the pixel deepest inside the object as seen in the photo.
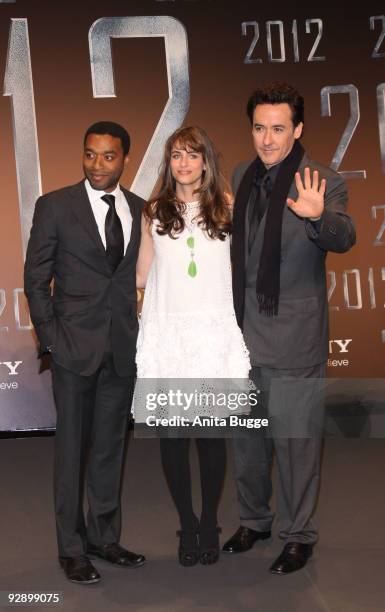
(293, 557)
(115, 554)
(79, 570)
(244, 539)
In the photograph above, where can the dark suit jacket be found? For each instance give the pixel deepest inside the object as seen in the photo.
(298, 336)
(90, 306)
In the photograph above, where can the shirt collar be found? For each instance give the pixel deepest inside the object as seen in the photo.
(96, 194)
(273, 171)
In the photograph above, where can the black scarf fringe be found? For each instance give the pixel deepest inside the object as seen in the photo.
(267, 305)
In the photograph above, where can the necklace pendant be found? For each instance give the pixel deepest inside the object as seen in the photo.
(192, 269)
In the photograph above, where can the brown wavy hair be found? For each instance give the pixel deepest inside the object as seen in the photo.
(167, 209)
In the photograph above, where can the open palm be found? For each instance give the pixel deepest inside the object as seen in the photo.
(310, 201)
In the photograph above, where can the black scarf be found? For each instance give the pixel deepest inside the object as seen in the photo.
(268, 279)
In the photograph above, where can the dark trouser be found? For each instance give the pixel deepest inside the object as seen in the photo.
(212, 464)
(298, 458)
(89, 448)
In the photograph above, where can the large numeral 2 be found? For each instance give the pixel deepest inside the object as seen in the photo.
(352, 91)
(175, 39)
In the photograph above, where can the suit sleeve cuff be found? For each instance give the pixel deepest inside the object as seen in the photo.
(313, 228)
(44, 350)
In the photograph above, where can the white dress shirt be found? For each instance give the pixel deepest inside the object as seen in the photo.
(100, 210)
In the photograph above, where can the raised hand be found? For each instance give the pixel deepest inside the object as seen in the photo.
(310, 203)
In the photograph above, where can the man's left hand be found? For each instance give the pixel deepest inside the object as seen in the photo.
(310, 202)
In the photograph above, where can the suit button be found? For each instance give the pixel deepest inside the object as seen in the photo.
(332, 230)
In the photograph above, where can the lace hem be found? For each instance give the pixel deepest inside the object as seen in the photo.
(193, 345)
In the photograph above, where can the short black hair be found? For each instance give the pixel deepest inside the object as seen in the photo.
(278, 93)
(112, 129)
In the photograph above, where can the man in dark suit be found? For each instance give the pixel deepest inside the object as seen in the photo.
(85, 238)
(288, 212)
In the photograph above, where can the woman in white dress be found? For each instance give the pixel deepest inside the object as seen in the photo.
(188, 327)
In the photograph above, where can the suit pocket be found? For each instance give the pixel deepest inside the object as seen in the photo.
(69, 308)
(300, 305)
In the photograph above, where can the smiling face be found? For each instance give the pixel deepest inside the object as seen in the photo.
(103, 161)
(186, 166)
(273, 132)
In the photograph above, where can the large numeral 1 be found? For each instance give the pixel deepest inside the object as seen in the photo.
(356, 275)
(381, 121)
(352, 91)
(19, 85)
(175, 39)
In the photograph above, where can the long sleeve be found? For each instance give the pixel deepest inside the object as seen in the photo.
(38, 270)
(336, 230)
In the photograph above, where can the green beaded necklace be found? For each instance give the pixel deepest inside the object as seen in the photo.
(192, 267)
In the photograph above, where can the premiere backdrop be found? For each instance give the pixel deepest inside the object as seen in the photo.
(154, 65)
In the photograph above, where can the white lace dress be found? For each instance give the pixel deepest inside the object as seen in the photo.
(188, 327)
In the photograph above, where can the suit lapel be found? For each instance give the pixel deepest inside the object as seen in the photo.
(293, 193)
(133, 212)
(256, 249)
(130, 203)
(82, 209)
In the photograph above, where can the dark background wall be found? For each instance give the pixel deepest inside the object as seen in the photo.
(233, 47)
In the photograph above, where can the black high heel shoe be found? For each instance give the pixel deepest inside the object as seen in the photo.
(188, 551)
(209, 545)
